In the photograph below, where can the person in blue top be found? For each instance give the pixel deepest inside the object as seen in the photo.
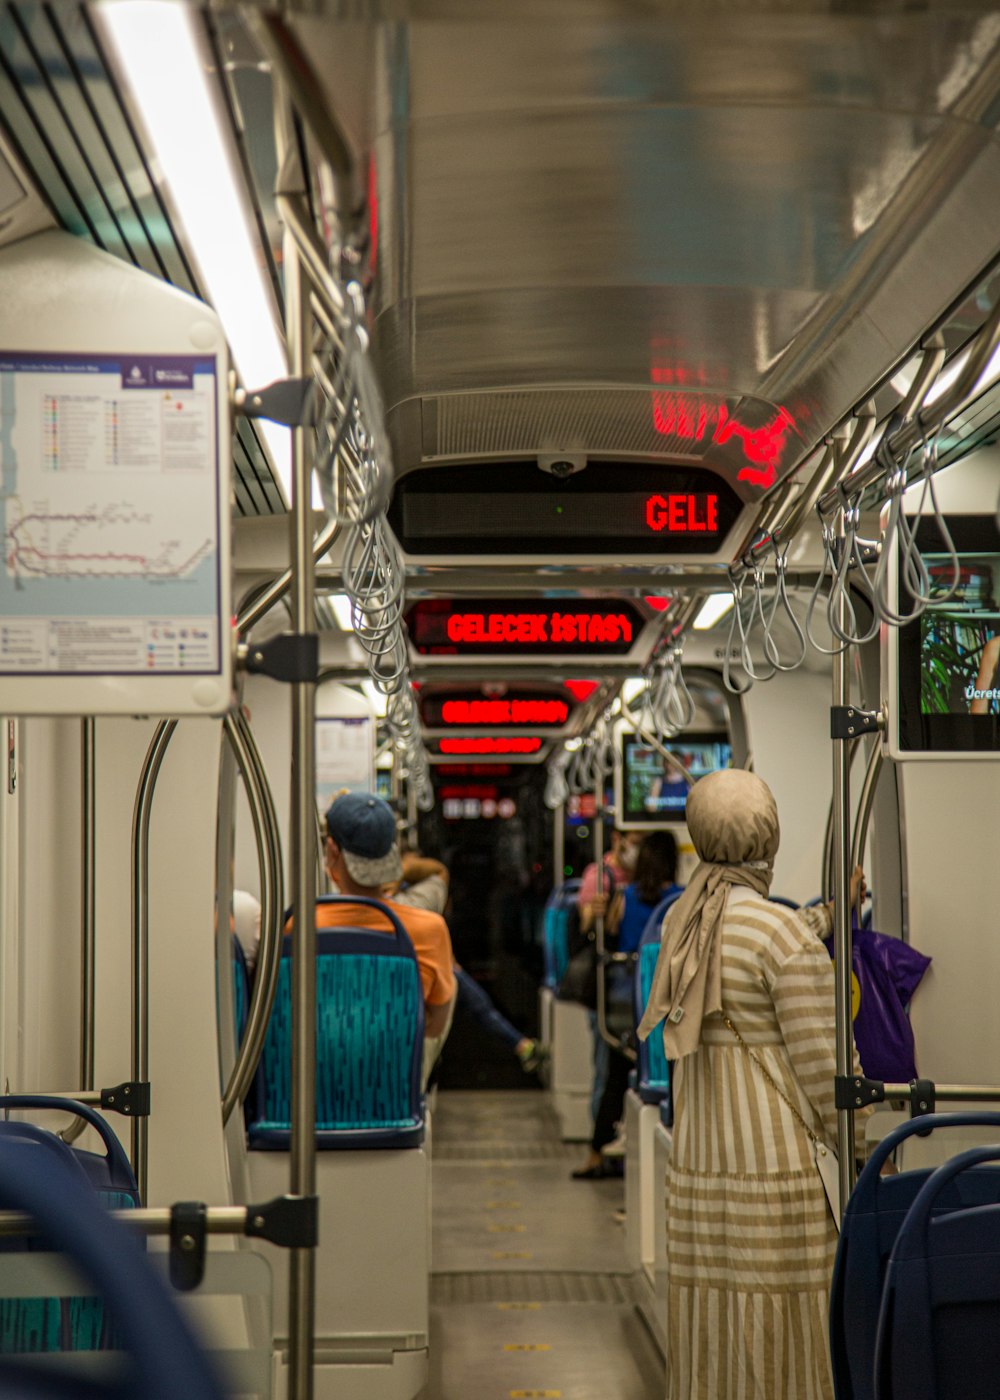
(625, 918)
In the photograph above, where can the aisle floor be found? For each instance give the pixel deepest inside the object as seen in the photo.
(530, 1293)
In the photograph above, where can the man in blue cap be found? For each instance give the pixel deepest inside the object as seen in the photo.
(361, 858)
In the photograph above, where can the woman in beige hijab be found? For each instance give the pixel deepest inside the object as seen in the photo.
(750, 1237)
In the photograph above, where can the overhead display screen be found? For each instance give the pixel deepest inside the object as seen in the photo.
(948, 689)
(653, 791)
(608, 507)
(473, 710)
(523, 627)
(491, 744)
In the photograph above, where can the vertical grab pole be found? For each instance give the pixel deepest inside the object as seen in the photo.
(842, 940)
(599, 945)
(302, 1285)
(88, 915)
(140, 939)
(559, 845)
(87, 899)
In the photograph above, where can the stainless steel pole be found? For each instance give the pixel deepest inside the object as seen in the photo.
(303, 848)
(88, 915)
(842, 914)
(558, 845)
(140, 938)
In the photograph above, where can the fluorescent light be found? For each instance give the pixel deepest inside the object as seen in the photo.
(378, 701)
(632, 689)
(161, 55)
(343, 611)
(716, 605)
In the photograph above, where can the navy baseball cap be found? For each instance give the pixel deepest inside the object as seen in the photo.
(363, 826)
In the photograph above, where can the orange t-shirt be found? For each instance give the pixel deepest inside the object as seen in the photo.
(428, 934)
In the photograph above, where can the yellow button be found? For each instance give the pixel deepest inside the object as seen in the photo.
(527, 1346)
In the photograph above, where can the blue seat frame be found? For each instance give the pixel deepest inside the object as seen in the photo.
(653, 1075)
(554, 940)
(939, 1321)
(165, 1360)
(369, 1042)
(872, 1220)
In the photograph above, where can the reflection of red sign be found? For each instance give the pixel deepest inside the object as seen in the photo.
(582, 805)
(698, 418)
(581, 690)
(480, 790)
(473, 770)
(502, 712)
(489, 744)
(683, 514)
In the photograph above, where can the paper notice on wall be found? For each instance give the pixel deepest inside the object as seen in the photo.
(345, 756)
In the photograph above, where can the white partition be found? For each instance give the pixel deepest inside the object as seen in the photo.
(572, 1070)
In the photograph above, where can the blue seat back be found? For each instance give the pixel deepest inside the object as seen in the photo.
(164, 1360)
(559, 909)
(872, 1220)
(241, 988)
(653, 1083)
(369, 1042)
(939, 1320)
(780, 899)
(71, 1323)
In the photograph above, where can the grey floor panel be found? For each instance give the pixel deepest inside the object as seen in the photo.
(530, 1294)
(549, 1351)
(527, 1215)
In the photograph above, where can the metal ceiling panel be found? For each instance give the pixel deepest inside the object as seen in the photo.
(773, 205)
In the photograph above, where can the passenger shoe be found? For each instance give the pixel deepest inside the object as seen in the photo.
(617, 1148)
(533, 1056)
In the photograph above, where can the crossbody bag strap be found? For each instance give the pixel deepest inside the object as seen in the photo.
(770, 1079)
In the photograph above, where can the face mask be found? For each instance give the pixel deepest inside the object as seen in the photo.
(627, 857)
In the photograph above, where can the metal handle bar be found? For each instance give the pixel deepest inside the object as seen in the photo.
(269, 857)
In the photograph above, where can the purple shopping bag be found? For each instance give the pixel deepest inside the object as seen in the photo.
(887, 972)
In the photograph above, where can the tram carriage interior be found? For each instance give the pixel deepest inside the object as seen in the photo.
(518, 413)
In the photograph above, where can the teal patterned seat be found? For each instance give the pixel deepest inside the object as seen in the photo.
(653, 1079)
(32, 1325)
(369, 1044)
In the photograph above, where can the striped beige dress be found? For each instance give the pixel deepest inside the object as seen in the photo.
(750, 1240)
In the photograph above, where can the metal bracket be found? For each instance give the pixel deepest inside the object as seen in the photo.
(287, 401)
(292, 657)
(187, 1244)
(130, 1098)
(922, 1097)
(289, 1221)
(846, 722)
(853, 1091)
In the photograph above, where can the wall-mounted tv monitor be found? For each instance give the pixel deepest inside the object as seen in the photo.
(941, 673)
(652, 791)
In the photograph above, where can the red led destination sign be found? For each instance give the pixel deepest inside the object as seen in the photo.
(499, 744)
(472, 710)
(485, 627)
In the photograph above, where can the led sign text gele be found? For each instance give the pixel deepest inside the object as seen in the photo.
(533, 629)
(491, 744)
(504, 712)
(683, 514)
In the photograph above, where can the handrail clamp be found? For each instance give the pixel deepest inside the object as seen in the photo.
(848, 722)
(292, 657)
(289, 1221)
(130, 1098)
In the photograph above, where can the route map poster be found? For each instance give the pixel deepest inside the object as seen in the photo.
(109, 478)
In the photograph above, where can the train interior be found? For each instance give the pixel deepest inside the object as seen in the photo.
(516, 414)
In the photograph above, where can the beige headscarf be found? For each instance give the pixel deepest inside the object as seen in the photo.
(733, 822)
